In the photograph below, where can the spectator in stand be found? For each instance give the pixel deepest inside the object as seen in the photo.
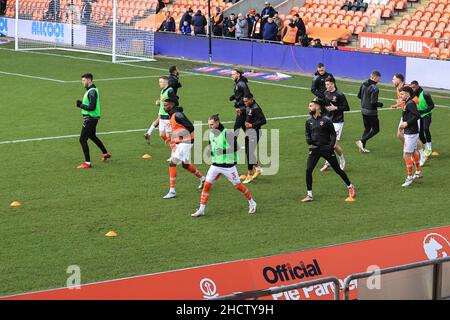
(199, 22)
(160, 6)
(168, 24)
(317, 44)
(186, 28)
(270, 30)
(267, 12)
(257, 28)
(3, 7)
(290, 33)
(250, 20)
(280, 25)
(3, 4)
(300, 25)
(241, 27)
(187, 16)
(230, 26)
(217, 23)
(86, 12)
(50, 14)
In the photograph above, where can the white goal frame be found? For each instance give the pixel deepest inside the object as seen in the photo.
(123, 42)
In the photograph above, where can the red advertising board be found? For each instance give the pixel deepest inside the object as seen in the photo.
(225, 278)
(405, 45)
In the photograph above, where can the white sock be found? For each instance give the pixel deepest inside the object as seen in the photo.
(251, 202)
(202, 207)
(310, 193)
(428, 144)
(341, 157)
(257, 168)
(87, 162)
(422, 153)
(151, 129)
(350, 186)
(172, 190)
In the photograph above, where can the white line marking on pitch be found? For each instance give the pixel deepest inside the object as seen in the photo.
(142, 130)
(195, 73)
(29, 76)
(74, 81)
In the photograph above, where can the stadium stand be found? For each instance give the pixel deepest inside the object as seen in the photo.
(128, 11)
(432, 21)
(333, 21)
(178, 8)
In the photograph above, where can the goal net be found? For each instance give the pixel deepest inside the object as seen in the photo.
(110, 27)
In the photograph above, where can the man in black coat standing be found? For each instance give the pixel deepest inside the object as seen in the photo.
(199, 22)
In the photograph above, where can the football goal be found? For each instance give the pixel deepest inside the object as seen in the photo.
(91, 26)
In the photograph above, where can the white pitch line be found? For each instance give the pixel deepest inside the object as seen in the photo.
(193, 73)
(142, 130)
(32, 77)
(116, 79)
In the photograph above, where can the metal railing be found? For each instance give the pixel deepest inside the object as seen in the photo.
(267, 292)
(437, 275)
(436, 288)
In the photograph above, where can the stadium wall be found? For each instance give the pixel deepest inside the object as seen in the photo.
(284, 58)
(429, 73)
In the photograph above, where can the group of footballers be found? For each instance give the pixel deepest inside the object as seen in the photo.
(323, 130)
(177, 132)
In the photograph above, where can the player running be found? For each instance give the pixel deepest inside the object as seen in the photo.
(409, 124)
(224, 148)
(163, 117)
(255, 119)
(321, 137)
(180, 137)
(425, 105)
(335, 106)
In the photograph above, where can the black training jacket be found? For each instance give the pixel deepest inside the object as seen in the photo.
(320, 132)
(240, 90)
(339, 100)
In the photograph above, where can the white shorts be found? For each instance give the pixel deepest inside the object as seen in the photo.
(410, 143)
(163, 123)
(338, 127)
(231, 174)
(182, 152)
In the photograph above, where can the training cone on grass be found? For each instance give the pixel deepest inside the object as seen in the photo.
(15, 204)
(350, 199)
(111, 234)
(434, 153)
(146, 156)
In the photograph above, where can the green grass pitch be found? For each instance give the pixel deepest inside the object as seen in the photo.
(66, 212)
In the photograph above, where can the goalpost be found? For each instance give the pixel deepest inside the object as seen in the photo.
(106, 27)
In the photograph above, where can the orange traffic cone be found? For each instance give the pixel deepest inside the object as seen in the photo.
(146, 156)
(111, 234)
(15, 204)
